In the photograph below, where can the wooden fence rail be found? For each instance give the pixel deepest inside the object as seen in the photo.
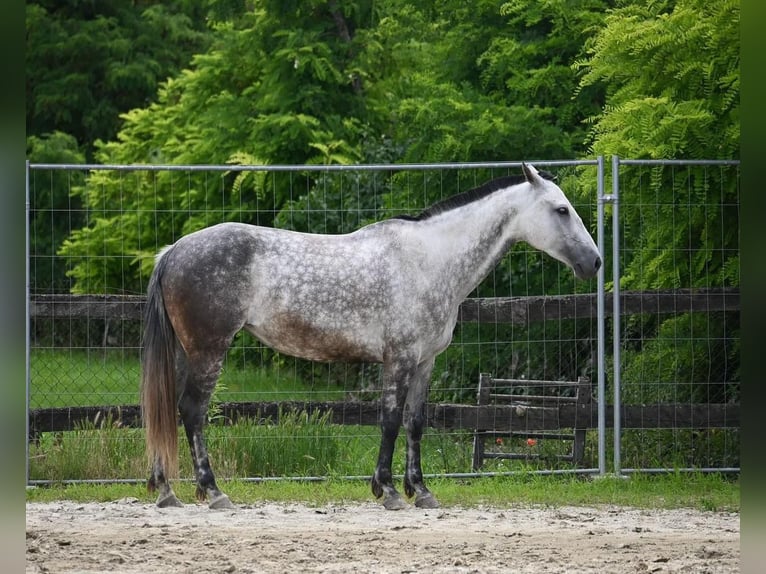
(516, 310)
(439, 416)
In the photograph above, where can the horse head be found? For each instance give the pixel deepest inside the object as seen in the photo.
(552, 225)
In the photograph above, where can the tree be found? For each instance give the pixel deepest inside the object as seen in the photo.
(54, 211)
(331, 82)
(277, 85)
(671, 70)
(322, 82)
(671, 74)
(86, 62)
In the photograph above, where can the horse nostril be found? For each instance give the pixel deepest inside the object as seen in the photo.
(597, 264)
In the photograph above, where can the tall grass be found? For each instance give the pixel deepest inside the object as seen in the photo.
(95, 450)
(298, 444)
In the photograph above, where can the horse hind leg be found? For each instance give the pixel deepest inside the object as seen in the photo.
(201, 378)
(158, 482)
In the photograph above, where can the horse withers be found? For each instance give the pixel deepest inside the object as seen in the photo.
(387, 293)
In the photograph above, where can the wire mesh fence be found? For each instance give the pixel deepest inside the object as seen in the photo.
(679, 235)
(94, 231)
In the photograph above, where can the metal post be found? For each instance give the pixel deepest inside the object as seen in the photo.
(600, 318)
(616, 310)
(26, 322)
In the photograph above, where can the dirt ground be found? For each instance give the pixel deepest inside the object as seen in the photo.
(133, 537)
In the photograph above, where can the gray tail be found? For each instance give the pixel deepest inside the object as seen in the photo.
(158, 380)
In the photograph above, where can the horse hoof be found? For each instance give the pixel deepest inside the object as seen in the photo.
(169, 501)
(395, 502)
(220, 503)
(426, 501)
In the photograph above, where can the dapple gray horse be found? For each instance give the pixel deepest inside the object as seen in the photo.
(387, 293)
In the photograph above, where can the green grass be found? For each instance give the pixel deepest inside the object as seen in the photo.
(708, 492)
(81, 378)
(99, 377)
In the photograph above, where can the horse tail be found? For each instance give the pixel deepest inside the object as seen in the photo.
(158, 378)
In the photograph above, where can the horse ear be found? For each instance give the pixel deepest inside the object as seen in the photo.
(530, 173)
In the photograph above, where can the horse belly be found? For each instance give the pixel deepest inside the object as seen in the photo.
(295, 335)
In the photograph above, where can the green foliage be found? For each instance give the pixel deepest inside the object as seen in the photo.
(55, 212)
(225, 109)
(693, 358)
(681, 227)
(495, 84)
(88, 61)
(531, 65)
(671, 71)
(101, 448)
(681, 448)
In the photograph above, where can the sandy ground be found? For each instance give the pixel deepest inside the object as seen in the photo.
(134, 537)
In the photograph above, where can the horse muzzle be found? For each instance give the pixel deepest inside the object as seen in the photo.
(587, 271)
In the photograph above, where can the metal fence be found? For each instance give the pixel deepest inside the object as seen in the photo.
(690, 356)
(663, 352)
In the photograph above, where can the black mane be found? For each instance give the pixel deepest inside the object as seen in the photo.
(471, 195)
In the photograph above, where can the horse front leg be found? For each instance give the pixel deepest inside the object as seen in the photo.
(414, 420)
(391, 400)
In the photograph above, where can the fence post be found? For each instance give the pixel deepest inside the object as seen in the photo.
(600, 318)
(616, 310)
(482, 398)
(27, 345)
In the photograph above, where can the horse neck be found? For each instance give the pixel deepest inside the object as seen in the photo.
(470, 241)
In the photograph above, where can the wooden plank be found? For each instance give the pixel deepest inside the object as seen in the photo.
(537, 383)
(532, 398)
(525, 456)
(504, 417)
(516, 310)
(343, 413)
(529, 434)
(128, 307)
(501, 418)
(674, 416)
(518, 418)
(524, 310)
(69, 418)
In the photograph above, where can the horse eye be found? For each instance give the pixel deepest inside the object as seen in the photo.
(562, 210)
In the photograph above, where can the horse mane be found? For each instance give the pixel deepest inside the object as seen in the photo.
(470, 196)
